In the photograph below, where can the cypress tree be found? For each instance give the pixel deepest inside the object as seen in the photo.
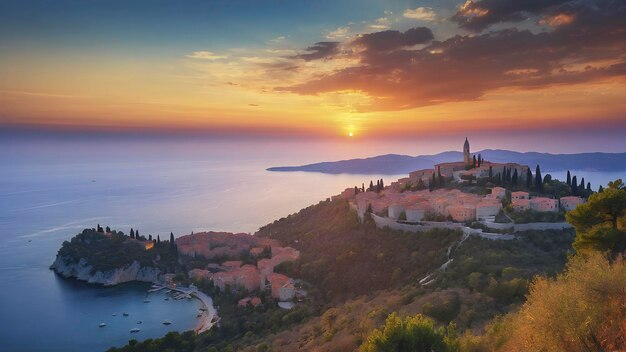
(600, 189)
(136, 233)
(490, 173)
(356, 190)
(377, 185)
(588, 186)
(108, 229)
(569, 179)
(529, 178)
(158, 239)
(474, 161)
(382, 183)
(149, 237)
(514, 178)
(371, 186)
(480, 160)
(582, 184)
(132, 233)
(538, 179)
(172, 242)
(362, 187)
(574, 185)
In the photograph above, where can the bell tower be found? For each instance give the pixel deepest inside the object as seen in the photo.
(466, 152)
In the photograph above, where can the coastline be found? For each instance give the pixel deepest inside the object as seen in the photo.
(206, 320)
(209, 311)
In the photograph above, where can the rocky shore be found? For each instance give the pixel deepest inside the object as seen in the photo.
(81, 270)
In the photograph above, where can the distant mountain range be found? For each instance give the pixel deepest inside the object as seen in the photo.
(392, 164)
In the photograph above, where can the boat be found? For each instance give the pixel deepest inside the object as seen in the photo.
(139, 322)
(125, 314)
(114, 314)
(146, 301)
(167, 322)
(135, 330)
(102, 325)
(167, 298)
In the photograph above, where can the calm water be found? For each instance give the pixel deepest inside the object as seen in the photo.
(52, 189)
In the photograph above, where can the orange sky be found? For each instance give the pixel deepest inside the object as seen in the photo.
(362, 78)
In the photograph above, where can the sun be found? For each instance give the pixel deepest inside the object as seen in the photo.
(350, 134)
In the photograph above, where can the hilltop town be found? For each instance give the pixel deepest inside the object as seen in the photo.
(465, 191)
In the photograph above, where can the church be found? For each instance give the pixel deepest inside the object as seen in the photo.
(456, 170)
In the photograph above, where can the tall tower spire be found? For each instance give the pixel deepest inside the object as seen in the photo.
(466, 152)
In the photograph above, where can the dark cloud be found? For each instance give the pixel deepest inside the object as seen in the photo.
(320, 50)
(391, 40)
(590, 46)
(478, 15)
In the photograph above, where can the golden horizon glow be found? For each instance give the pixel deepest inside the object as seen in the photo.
(328, 85)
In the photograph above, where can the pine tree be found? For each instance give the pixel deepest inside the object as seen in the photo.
(547, 178)
(529, 178)
(538, 179)
(569, 179)
(574, 185)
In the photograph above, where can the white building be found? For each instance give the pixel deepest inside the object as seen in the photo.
(544, 204)
(486, 209)
(570, 203)
(395, 210)
(519, 195)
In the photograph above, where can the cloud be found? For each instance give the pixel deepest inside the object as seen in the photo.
(320, 50)
(339, 33)
(585, 45)
(391, 39)
(420, 13)
(478, 15)
(277, 40)
(380, 24)
(206, 55)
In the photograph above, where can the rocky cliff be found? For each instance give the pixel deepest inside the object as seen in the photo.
(81, 270)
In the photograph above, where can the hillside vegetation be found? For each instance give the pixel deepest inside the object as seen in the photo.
(343, 258)
(113, 250)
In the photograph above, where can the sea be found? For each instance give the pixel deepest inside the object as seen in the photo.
(52, 187)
